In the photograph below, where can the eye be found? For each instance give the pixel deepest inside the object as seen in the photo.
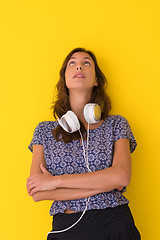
(72, 63)
(87, 63)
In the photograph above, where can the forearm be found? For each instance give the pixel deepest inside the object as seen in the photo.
(105, 180)
(64, 194)
(108, 179)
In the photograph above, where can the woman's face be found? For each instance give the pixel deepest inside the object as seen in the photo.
(80, 72)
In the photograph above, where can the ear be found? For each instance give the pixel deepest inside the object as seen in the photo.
(96, 82)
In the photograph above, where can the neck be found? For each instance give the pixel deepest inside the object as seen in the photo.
(77, 102)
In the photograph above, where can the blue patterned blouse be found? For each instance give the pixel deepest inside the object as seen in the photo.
(68, 158)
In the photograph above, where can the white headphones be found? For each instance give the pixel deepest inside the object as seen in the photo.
(70, 123)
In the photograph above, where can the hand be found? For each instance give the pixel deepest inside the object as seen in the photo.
(41, 182)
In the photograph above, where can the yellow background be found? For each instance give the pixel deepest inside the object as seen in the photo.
(35, 38)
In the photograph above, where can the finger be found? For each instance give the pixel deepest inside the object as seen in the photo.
(34, 190)
(33, 185)
(29, 182)
(30, 178)
(30, 187)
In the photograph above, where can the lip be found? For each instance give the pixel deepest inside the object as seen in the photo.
(79, 75)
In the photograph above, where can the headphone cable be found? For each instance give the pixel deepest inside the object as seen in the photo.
(87, 199)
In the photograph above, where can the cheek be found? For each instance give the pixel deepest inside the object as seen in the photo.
(92, 74)
(67, 78)
(91, 71)
(68, 73)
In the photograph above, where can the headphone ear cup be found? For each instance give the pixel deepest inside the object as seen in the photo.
(92, 113)
(69, 122)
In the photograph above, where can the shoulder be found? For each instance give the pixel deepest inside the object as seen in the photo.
(46, 126)
(116, 119)
(118, 123)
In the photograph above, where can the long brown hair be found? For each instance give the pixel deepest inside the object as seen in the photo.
(61, 105)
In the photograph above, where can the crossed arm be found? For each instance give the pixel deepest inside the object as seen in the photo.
(41, 185)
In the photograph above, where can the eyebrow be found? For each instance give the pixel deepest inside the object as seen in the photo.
(83, 58)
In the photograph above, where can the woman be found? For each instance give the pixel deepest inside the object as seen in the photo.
(79, 174)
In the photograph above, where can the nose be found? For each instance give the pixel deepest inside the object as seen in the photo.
(79, 67)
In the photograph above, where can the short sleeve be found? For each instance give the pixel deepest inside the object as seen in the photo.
(122, 129)
(37, 137)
